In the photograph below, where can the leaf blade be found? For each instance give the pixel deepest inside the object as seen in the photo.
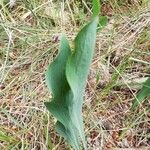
(96, 7)
(66, 104)
(58, 85)
(145, 91)
(77, 70)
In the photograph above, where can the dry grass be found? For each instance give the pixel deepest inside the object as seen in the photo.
(28, 42)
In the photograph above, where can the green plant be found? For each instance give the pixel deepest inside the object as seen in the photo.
(145, 91)
(66, 79)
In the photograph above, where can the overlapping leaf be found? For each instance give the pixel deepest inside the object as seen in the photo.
(66, 79)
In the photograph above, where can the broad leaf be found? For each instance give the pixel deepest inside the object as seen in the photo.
(77, 71)
(145, 91)
(66, 79)
(58, 85)
(55, 75)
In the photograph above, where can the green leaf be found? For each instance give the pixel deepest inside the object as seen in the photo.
(55, 75)
(77, 70)
(102, 22)
(96, 7)
(66, 79)
(145, 91)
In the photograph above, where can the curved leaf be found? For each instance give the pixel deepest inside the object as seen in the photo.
(77, 70)
(96, 7)
(58, 85)
(66, 79)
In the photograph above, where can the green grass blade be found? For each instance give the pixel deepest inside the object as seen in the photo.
(145, 91)
(6, 138)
